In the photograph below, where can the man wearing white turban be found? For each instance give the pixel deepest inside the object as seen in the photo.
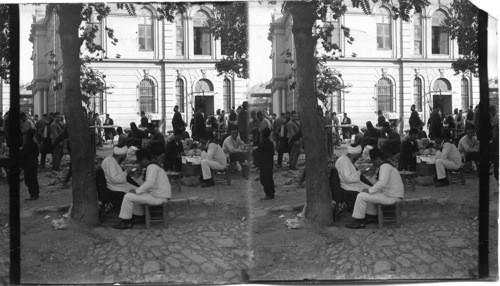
(116, 177)
(349, 175)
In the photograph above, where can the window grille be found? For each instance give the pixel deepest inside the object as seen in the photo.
(226, 94)
(147, 96)
(179, 34)
(179, 94)
(385, 95)
(417, 33)
(465, 93)
(417, 93)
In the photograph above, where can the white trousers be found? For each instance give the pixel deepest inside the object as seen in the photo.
(365, 204)
(207, 166)
(442, 165)
(134, 204)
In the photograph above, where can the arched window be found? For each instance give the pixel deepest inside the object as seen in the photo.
(179, 34)
(336, 102)
(147, 96)
(385, 95)
(440, 35)
(204, 85)
(442, 85)
(384, 30)
(226, 94)
(202, 37)
(417, 33)
(465, 93)
(145, 17)
(179, 94)
(417, 93)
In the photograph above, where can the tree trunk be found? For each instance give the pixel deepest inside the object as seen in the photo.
(318, 195)
(85, 204)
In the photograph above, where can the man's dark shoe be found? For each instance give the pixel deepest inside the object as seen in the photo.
(124, 224)
(139, 219)
(208, 183)
(356, 224)
(371, 219)
(32, 198)
(267, 198)
(442, 183)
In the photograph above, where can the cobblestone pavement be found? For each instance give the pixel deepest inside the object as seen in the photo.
(182, 253)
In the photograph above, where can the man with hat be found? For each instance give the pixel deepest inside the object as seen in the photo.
(350, 177)
(116, 177)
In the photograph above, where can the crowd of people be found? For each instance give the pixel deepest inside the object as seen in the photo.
(226, 138)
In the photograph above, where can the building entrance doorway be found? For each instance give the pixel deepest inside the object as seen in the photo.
(444, 103)
(207, 102)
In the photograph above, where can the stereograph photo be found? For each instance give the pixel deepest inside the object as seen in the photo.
(263, 142)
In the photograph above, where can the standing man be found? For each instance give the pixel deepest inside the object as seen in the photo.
(435, 124)
(292, 128)
(392, 145)
(277, 128)
(46, 145)
(144, 120)
(39, 126)
(177, 121)
(110, 132)
(415, 121)
(346, 131)
(265, 153)
(243, 118)
(27, 123)
(198, 124)
(56, 129)
(283, 146)
(29, 161)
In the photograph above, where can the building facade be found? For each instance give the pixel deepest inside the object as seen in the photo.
(155, 65)
(390, 65)
(5, 96)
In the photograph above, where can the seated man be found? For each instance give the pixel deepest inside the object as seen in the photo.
(233, 147)
(174, 152)
(468, 146)
(388, 190)
(154, 191)
(358, 136)
(117, 180)
(448, 158)
(213, 159)
(157, 144)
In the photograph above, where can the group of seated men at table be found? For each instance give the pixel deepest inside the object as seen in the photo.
(351, 190)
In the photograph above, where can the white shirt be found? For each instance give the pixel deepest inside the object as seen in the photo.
(466, 145)
(450, 153)
(232, 146)
(215, 153)
(156, 183)
(389, 182)
(116, 178)
(348, 175)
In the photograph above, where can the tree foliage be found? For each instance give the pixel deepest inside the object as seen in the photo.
(463, 26)
(229, 24)
(4, 42)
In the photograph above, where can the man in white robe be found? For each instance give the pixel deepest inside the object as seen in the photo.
(116, 177)
(349, 175)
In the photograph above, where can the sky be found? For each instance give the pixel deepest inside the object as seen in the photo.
(259, 19)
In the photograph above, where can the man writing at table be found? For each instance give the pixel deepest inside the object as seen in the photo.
(154, 191)
(469, 146)
(233, 147)
(447, 159)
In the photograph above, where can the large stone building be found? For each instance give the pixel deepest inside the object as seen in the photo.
(391, 65)
(155, 65)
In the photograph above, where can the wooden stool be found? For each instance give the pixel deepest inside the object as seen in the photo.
(224, 172)
(405, 175)
(458, 174)
(389, 213)
(156, 213)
